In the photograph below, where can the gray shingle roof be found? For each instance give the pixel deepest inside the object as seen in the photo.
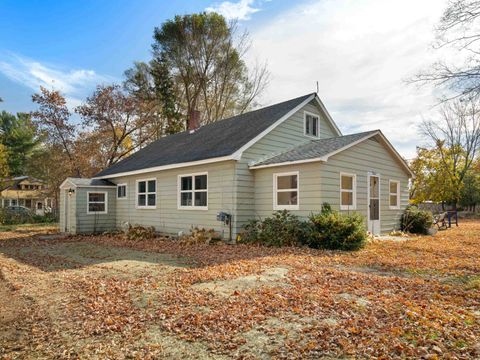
(315, 149)
(90, 182)
(218, 139)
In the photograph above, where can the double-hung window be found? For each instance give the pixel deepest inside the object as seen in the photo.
(193, 191)
(311, 125)
(147, 194)
(121, 191)
(394, 194)
(348, 195)
(286, 191)
(97, 202)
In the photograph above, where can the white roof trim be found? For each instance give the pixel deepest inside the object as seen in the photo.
(238, 154)
(326, 157)
(166, 167)
(295, 162)
(64, 183)
(67, 180)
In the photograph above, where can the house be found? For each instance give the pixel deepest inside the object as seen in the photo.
(28, 192)
(289, 155)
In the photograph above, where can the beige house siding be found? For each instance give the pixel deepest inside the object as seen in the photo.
(166, 217)
(285, 136)
(320, 182)
(309, 189)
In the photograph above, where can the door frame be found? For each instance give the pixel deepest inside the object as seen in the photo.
(371, 224)
(67, 211)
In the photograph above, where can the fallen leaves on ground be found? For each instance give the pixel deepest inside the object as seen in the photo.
(394, 299)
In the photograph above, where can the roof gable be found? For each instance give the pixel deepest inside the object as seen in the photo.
(222, 140)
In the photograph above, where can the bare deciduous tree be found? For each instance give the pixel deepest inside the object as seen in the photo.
(459, 28)
(113, 117)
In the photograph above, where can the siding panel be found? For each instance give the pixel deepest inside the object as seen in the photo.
(320, 182)
(284, 137)
(167, 217)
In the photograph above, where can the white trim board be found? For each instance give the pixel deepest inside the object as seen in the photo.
(68, 180)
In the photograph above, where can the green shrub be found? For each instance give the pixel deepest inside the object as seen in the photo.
(281, 229)
(48, 218)
(14, 218)
(337, 231)
(416, 221)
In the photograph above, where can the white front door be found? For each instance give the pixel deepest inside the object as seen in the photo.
(374, 203)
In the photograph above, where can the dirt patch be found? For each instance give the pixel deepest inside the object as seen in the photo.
(270, 277)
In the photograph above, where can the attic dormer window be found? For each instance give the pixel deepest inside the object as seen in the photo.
(311, 125)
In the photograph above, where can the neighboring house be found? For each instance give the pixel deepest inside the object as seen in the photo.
(286, 156)
(27, 192)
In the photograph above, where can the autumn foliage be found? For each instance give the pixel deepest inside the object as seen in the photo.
(107, 296)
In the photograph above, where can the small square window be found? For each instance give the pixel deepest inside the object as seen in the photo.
(97, 202)
(193, 192)
(147, 194)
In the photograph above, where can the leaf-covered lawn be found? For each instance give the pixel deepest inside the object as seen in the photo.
(104, 297)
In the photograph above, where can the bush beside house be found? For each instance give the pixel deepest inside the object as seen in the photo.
(327, 230)
(416, 221)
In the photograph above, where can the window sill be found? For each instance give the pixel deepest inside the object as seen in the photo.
(312, 136)
(347, 208)
(286, 207)
(145, 207)
(97, 213)
(394, 207)
(192, 208)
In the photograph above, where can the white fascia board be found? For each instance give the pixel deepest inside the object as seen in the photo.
(167, 167)
(286, 163)
(64, 183)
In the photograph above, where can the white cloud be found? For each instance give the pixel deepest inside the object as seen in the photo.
(241, 10)
(360, 52)
(74, 84)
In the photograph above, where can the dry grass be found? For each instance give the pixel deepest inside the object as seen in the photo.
(107, 297)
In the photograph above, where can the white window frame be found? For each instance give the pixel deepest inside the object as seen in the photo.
(395, 207)
(193, 191)
(126, 191)
(146, 206)
(97, 202)
(276, 206)
(353, 191)
(305, 113)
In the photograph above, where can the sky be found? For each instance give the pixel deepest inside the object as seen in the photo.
(361, 52)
